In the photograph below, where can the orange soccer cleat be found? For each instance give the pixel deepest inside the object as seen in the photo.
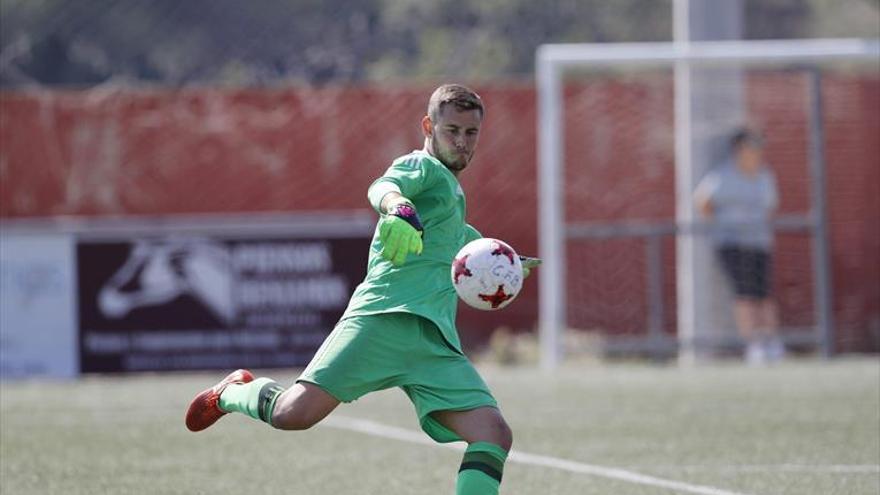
(204, 410)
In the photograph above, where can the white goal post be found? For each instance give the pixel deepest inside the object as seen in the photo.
(552, 63)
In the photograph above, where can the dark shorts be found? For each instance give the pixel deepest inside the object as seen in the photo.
(748, 270)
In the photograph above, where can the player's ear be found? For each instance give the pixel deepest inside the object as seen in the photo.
(427, 126)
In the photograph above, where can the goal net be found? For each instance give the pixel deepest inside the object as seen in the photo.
(627, 131)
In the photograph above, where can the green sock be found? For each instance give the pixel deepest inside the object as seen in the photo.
(256, 399)
(481, 468)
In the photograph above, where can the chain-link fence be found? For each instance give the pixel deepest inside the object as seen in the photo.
(620, 201)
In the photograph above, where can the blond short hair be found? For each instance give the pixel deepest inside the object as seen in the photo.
(461, 97)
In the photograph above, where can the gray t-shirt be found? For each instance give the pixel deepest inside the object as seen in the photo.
(743, 205)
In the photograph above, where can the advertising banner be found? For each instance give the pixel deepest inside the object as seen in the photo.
(37, 305)
(178, 302)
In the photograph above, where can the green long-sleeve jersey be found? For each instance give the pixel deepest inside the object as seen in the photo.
(422, 285)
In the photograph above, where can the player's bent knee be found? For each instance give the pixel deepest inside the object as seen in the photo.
(504, 435)
(499, 431)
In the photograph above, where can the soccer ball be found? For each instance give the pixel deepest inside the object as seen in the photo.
(487, 274)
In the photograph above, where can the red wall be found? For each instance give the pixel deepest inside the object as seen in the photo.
(127, 152)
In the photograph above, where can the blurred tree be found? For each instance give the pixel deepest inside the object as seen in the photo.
(482, 39)
(219, 42)
(769, 19)
(833, 18)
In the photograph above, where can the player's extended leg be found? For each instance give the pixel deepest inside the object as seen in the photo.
(297, 408)
(489, 439)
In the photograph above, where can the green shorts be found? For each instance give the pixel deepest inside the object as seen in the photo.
(374, 352)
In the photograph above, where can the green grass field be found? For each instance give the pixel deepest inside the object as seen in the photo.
(804, 428)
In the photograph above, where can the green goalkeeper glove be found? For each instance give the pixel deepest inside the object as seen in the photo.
(528, 263)
(400, 231)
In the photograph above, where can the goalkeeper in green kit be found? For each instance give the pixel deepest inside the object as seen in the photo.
(399, 327)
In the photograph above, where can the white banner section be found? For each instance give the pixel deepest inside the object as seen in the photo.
(37, 305)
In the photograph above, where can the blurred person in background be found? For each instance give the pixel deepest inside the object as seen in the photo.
(739, 198)
(399, 327)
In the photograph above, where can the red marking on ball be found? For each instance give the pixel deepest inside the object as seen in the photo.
(496, 299)
(460, 267)
(505, 250)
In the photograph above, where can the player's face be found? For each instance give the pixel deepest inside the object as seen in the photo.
(453, 137)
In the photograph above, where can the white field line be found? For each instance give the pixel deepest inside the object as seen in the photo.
(378, 429)
(768, 468)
